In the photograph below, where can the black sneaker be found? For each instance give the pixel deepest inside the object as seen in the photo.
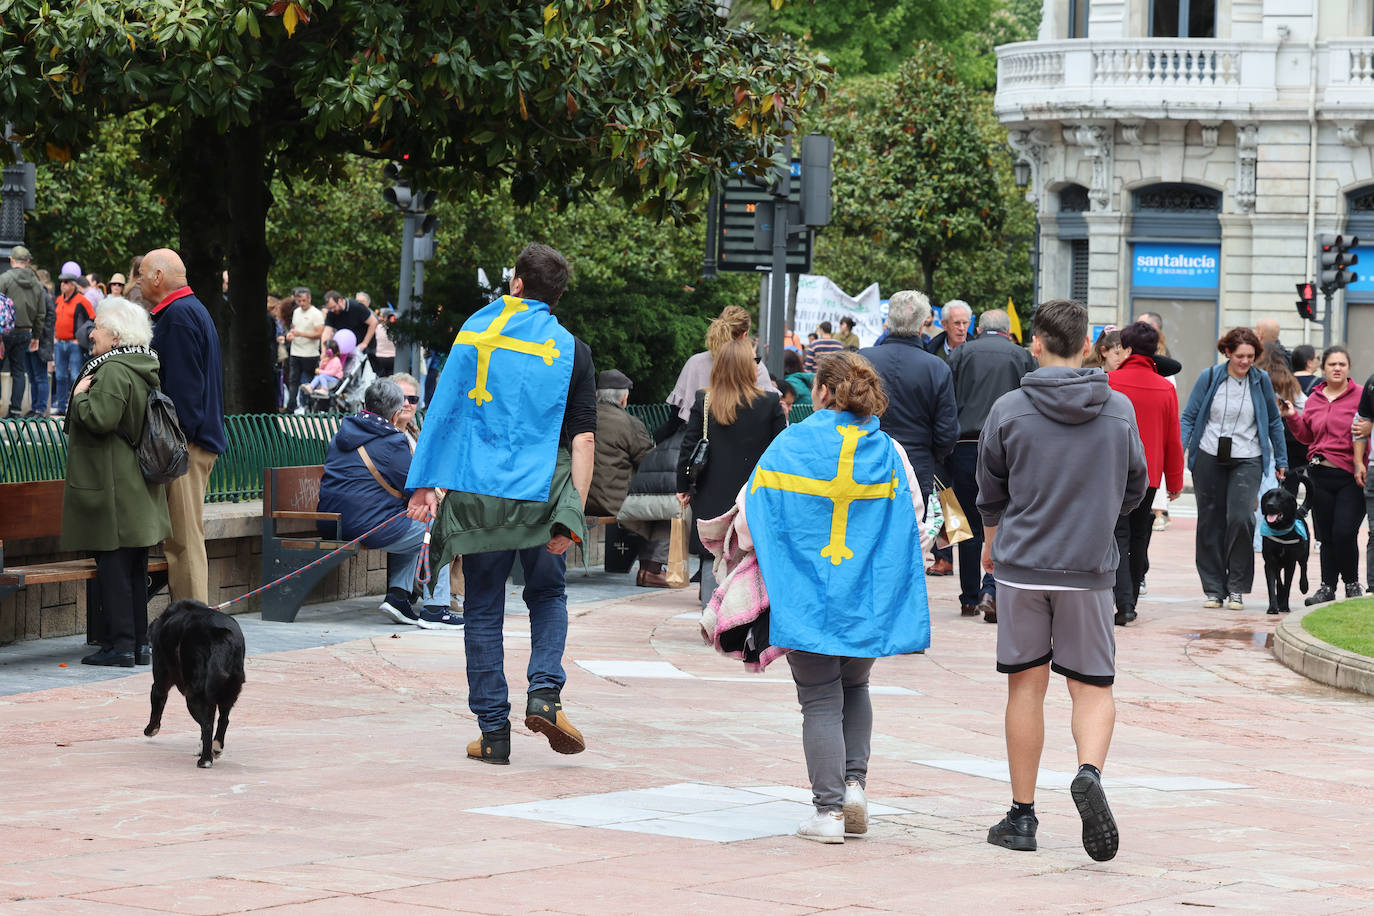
(1321, 596)
(544, 716)
(396, 605)
(439, 618)
(143, 655)
(1353, 590)
(1121, 619)
(1015, 832)
(1100, 837)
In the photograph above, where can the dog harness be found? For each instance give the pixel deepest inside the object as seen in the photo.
(1293, 534)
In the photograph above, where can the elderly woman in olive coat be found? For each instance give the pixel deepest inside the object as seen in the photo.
(108, 508)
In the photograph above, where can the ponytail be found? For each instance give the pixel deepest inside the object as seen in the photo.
(854, 385)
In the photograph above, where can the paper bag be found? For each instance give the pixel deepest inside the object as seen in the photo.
(679, 542)
(956, 528)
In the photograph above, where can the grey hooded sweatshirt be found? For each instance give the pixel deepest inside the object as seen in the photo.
(1059, 461)
(22, 285)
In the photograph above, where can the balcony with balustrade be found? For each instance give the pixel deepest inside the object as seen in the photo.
(1204, 78)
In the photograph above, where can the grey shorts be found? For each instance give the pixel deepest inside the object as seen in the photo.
(1071, 631)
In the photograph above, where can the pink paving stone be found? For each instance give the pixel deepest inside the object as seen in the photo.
(345, 776)
(204, 897)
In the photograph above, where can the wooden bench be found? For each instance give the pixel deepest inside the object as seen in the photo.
(294, 494)
(34, 510)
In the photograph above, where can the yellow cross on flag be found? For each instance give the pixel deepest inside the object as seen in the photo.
(1015, 320)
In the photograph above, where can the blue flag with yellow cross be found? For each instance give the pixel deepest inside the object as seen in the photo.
(838, 542)
(493, 425)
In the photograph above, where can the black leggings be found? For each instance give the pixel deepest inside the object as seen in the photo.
(1133, 543)
(1337, 510)
(122, 577)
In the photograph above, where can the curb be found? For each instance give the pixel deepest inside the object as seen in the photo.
(1298, 649)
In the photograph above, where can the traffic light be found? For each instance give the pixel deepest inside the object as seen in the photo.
(1335, 258)
(399, 194)
(816, 152)
(1307, 301)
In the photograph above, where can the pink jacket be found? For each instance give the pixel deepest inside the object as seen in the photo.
(736, 608)
(332, 367)
(1324, 426)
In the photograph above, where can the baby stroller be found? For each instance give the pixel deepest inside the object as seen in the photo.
(347, 396)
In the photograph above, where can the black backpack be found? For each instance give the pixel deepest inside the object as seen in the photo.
(162, 452)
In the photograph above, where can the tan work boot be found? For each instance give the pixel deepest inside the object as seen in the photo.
(544, 716)
(492, 747)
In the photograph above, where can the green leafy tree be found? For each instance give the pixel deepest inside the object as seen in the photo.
(918, 172)
(551, 101)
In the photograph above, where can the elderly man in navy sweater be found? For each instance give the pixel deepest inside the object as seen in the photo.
(187, 345)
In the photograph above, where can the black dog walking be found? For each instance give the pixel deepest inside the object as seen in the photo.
(1285, 544)
(199, 651)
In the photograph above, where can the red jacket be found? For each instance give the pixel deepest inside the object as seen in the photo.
(1156, 415)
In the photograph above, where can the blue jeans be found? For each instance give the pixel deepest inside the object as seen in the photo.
(67, 360)
(402, 559)
(38, 377)
(484, 610)
(16, 362)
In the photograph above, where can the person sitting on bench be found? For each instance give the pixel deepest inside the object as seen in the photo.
(364, 480)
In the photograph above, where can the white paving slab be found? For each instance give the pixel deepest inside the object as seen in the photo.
(699, 811)
(1058, 779)
(625, 668)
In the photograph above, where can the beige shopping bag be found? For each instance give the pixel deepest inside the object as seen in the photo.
(679, 542)
(956, 527)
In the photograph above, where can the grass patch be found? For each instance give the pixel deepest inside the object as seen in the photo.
(1347, 625)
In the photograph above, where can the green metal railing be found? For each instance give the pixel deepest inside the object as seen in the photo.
(36, 449)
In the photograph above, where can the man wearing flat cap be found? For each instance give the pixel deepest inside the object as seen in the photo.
(21, 284)
(621, 443)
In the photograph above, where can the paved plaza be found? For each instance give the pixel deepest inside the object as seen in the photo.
(1238, 785)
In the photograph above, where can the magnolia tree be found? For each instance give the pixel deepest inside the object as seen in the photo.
(651, 98)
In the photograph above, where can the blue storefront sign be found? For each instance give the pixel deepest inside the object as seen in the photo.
(1364, 269)
(1175, 265)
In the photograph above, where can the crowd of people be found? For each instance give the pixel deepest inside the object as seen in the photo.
(815, 531)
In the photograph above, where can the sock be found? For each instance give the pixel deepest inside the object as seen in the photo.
(1022, 809)
(1091, 769)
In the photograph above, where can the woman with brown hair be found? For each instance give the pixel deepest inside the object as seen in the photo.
(833, 512)
(732, 324)
(1107, 354)
(1233, 434)
(740, 419)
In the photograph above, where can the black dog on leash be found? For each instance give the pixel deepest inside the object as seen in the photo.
(1286, 544)
(199, 651)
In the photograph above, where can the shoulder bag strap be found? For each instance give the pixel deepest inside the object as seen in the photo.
(706, 417)
(372, 469)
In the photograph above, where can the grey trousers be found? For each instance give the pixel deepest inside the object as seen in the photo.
(837, 722)
(1226, 500)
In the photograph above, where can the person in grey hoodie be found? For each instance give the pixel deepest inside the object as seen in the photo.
(1059, 462)
(22, 285)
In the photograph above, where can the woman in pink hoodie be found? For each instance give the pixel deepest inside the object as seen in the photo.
(1336, 469)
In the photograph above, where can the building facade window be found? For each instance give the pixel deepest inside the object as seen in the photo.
(1078, 270)
(1078, 19)
(1183, 18)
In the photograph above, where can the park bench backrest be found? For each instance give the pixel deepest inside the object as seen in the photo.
(291, 490)
(31, 510)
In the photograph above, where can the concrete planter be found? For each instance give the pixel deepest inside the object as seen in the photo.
(1321, 661)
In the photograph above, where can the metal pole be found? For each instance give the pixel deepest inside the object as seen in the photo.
(777, 288)
(1330, 295)
(403, 363)
(709, 270)
(418, 302)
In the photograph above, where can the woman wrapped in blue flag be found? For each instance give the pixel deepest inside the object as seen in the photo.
(833, 512)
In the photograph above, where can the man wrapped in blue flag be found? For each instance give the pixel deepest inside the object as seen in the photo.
(510, 434)
(834, 514)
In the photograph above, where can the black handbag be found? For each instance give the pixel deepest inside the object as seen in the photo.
(696, 462)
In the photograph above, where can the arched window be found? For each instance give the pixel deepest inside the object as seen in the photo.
(1183, 18)
(1174, 211)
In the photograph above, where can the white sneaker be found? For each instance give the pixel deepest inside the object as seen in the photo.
(855, 808)
(1235, 602)
(1143, 589)
(823, 827)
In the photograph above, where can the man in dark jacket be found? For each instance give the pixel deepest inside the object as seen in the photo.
(21, 284)
(364, 481)
(921, 414)
(957, 317)
(188, 346)
(984, 369)
(621, 444)
(1070, 444)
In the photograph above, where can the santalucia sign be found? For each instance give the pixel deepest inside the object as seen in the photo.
(1177, 265)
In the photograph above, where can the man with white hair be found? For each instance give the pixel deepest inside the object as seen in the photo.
(984, 369)
(187, 345)
(957, 318)
(921, 414)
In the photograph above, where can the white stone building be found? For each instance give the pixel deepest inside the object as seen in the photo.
(1184, 153)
